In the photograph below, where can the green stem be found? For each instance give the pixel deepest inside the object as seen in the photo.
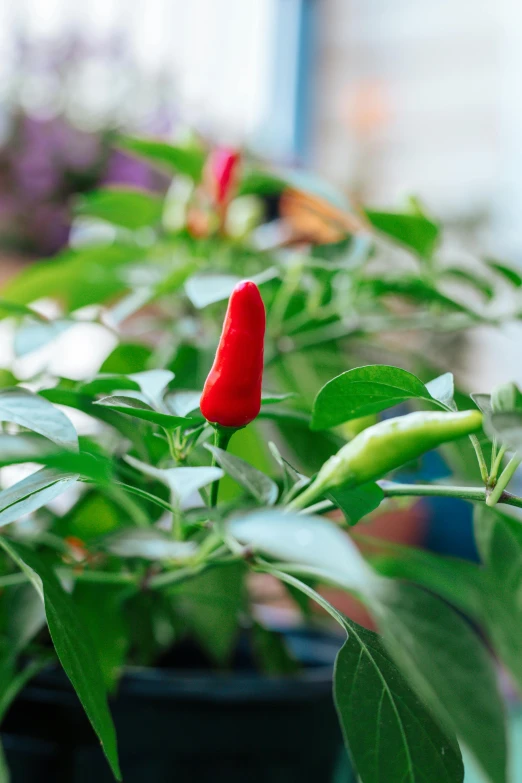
(496, 464)
(503, 480)
(480, 457)
(222, 437)
(311, 493)
(392, 489)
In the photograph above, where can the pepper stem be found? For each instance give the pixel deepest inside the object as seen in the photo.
(222, 437)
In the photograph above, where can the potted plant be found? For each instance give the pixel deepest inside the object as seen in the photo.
(135, 543)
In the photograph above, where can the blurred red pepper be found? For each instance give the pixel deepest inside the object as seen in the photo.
(222, 170)
(232, 392)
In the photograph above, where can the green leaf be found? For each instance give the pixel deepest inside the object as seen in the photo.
(129, 208)
(499, 540)
(442, 389)
(32, 493)
(415, 232)
(140, 410)
(5, 775)
(305, 540)
(153, 384)
(18, 449)
(513, 276)
(32, 336)
(357, 503)
(203, 290)
(483, 402)
(389, 732)
(260, 486)
(270, 398)
(105, 383)
(64, 277)
(271, 652)
(446, 663)
(507, 427)
(182, 482)
(211, 604)
(418, 291)
(17, 309)
(458, 581)
(33, 412)
(183, 403)
(461, 275)
(149, 544)
(257, 182)
(362, 391)
(73, 646)
(103, 612)
(506, 398)
(167, 157)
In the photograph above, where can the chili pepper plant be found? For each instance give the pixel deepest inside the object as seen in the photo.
(153, 489)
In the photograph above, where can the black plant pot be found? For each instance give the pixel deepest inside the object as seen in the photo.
(182, 727)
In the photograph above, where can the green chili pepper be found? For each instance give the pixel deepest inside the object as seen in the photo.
(388, 445)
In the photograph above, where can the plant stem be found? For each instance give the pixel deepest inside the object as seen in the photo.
(222, 437)
(480, 457)
(503, 480)
(391, 489)
(496, 464)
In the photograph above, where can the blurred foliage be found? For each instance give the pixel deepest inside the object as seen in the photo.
(155, 567)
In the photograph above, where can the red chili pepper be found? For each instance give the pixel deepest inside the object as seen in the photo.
(222, 166)
(232, 392)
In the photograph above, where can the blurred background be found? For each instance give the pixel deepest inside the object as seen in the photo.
(383, 98)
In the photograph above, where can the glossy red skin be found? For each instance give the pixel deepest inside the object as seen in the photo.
(232, 392)
(223, 165)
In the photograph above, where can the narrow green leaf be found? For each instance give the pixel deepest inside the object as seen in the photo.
(129, 208)
(167, 157)
(260, 486)
(510, 274)
(18, 449)
(362, 391)
(467, 277)
(415, 232)
(105, 383)
(442, 389)
(131, 406)
(73, 646)
(33, 412)
(182, 482)
(32, 493)
(389, 732)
